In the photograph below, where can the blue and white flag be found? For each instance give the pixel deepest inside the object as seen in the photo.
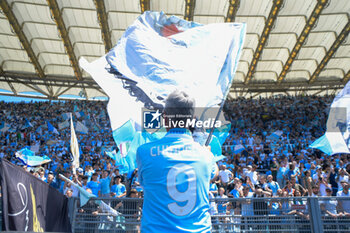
(120, 161)
(238, 149)
(30, 159)
(80, 127)
(157, 55)
(39, 130)
(27, 123)
(4, 127)
(337, 137)
(65, 116)
(63, 125)
(51, 128)
(275, 135)
(80, 114)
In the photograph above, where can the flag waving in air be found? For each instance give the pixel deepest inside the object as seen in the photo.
(337, 137)
(74, 146)
(192, 58)
(157, 55)
(29, 158)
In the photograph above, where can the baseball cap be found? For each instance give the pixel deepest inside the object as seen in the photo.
(318, 167)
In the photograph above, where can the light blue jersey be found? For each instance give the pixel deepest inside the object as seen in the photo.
(104, 183)
(175, 173)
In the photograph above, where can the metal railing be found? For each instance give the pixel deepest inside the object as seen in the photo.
(107, 215)
(264, 215)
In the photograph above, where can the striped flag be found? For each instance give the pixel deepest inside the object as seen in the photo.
(29, 158)
(275, 135)
(238, 149)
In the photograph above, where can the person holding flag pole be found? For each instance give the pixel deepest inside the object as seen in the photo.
(169, 65)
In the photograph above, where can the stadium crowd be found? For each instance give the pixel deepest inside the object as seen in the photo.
(266, 164)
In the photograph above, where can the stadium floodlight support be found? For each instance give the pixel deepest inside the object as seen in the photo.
(9, 83)
(145, 5)
(25, 43)
(336, 44)
(32, 81)
(276, 6)
(232, 11)
(57, 16)
(102, 18)
(286, 86)
(189, 9)
(346, 77)
(300, 41)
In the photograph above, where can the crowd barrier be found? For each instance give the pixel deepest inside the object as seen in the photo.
(263, 215)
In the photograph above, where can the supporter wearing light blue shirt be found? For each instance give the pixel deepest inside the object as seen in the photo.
(118, 189)
(273, 185)
(213, 188)
(105, 184)
(175, 173)
(94, 185)
(235, 193)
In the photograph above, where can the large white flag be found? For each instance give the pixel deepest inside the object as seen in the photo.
(74, 146)
(337, 137)
(82, 128)
(157, 55)
(63, 125)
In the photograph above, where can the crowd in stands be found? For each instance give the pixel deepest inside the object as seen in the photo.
(267, 166)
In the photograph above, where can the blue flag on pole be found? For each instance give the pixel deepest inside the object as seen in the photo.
(27, 123)
(337, 137)
(120, 161)
(51, 128)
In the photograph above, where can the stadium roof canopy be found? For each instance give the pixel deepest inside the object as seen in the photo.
(291, 47)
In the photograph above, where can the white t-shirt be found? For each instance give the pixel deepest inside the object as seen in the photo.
(225, 175)
(253, 177)
(323, 189)
(341, 178)
(251, 141)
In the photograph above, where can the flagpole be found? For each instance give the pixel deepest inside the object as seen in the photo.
(216, 118)
(218, 114)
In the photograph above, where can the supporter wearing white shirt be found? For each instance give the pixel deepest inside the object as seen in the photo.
(323, 186)
(342, 176)
(225, 175)
(253, 175)
(251, 140)
(344, 204)
(316, 177)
